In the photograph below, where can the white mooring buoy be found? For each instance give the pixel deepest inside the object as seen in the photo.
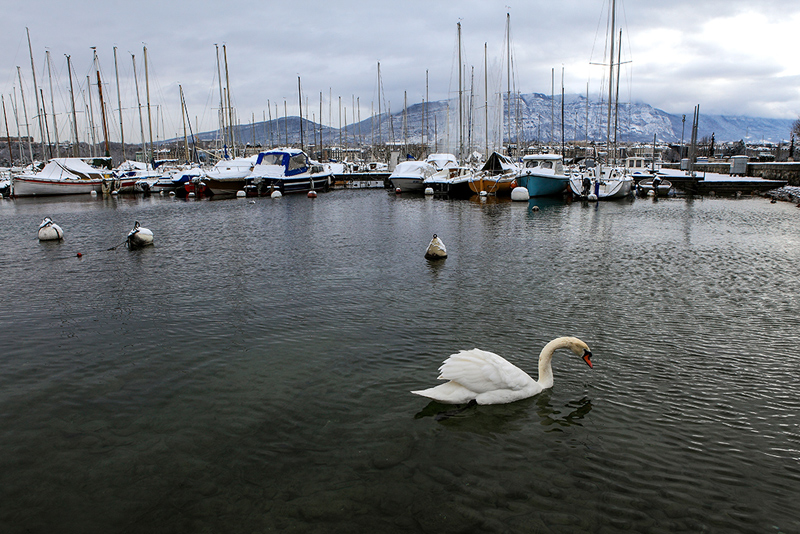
(436, 250)
(139, 237)
(592, 197)
(520, 194)
(428, 190)
(312, 194)
(50, 231)
(240, 194)
(276, 194)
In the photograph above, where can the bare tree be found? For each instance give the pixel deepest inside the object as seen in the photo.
(796, 128)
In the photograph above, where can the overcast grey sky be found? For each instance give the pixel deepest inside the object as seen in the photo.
(729, 56)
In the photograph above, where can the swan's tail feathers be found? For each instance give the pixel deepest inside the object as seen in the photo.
(448, 393)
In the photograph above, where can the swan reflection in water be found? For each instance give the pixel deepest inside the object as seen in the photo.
(504, 418)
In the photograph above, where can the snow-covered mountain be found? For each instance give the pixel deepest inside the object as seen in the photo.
(535, 117)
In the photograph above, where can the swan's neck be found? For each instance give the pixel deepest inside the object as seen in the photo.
(545, 358)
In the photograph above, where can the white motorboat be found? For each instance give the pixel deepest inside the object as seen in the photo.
(410, 176)
(287, 170)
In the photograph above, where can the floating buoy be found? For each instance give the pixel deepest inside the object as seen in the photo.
(428, 190)
(252, 202)
(651, 193)
(93, 193)
(276, 194)
(139, 237)
(520, 194)
(161, 192)
(535, 208)
(398, 191)
(592, 197)
(484, 193)
(312, 194)
(240, 194)
(114, 193)
(436, 250)
(80, 255)
(190, 195)
(50, 231)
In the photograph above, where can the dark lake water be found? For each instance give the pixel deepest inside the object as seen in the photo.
(251, 371)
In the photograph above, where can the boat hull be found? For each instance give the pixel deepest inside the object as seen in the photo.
(303, 183)
(604, 189)
(645, 186)
(543, 185)
(224, 187)
(408, 184)
(500, 186)
(28, 186)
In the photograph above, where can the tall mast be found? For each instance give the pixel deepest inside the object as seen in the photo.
(16, 120)
(221, 102)
(562, 112)
(76, 146)
(139, 105)
(46, 126)
(183, 116)
(486, 96)
(552, 102)
(91, 115)
(586, 126)
(8, 134)
(300, 97)
(119, 105)
(147, 90)
(610, 73)
(427, 126)
(460, 104)
(616, 98)
(52, 103)
(25, 113)
(380, 141)
(508, 76)
(102, 104)
(35, 87)
(405, 121)
(230, 108)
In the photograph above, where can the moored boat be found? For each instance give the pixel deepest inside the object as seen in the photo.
(67, 176)
(543, 175)
(228, 176)
(410, 176)
(288, 170)
(658, 186)
(605, 183)
(496, 177)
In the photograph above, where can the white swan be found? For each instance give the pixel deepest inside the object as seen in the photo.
(487, 378)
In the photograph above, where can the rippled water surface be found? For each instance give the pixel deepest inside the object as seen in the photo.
(251, 371)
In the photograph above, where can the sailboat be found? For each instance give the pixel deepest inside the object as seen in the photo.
(606, 181)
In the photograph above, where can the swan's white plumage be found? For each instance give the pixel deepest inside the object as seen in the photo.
(487, 378)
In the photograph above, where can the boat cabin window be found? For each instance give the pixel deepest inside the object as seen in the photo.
(543, 164)
(272, 159)
(296, 162)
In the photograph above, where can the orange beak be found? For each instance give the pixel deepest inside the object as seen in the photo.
(587, 357)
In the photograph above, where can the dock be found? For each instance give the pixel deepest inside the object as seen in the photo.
(708, 183)
(361, 180)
